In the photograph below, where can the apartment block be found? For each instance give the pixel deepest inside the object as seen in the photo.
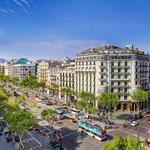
(23, 69)
(67, 75)
(113, 69)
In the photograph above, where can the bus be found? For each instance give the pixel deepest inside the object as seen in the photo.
(93, 131)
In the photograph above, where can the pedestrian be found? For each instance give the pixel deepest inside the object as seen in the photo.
(61, 147)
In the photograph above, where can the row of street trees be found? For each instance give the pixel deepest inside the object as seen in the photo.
(18, 121)
(86, 100)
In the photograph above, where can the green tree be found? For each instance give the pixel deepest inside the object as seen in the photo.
(86, 102)
(19, 121)
(80, 104)
(120, 143)
(69, 92)
(11, 106)
(49, 115)
(54, 86)
(91, 109)
(107, 101)
(43, 85)
(30, 82)
(87, 96)
(4, 78)
(4, 96)
(139, 96)
(15, 81)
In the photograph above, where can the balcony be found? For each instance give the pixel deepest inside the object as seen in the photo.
(120, 86)
(103, 73)
(123, 93)
(120, 79)
(102, 79)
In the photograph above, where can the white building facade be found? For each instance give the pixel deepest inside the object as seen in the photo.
(113, 69)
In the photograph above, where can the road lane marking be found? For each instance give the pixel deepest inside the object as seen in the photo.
(34, 138)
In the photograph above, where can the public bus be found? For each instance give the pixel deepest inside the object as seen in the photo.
(92, 131)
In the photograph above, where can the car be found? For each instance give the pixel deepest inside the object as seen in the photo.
(138, 116)
(82, 116)
(134, 123)
(49, 103)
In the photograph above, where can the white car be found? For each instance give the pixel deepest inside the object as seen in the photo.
(134, 123)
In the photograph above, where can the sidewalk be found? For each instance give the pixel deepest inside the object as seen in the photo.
(4, 145)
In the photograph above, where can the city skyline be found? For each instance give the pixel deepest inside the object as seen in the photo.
(47, 29)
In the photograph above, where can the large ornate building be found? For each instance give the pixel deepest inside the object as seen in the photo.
(113, 69)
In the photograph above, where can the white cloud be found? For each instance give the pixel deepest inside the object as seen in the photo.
(26, 6)
(25, 2)
(3, 10)
(46, 49)
(17, 2)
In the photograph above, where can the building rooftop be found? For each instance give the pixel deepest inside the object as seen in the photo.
(22, 61)
(111, 49)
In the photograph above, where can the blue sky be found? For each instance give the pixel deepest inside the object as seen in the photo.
(59, 28)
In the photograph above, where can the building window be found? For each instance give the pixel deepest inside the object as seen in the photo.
(126, 63)
(102, 83)
(102, 63)
(125, 97)
(119, 63)
(112, 76)
(112, 89)
(112, 63)
(125, 90)
(119, 76)
(112, 83)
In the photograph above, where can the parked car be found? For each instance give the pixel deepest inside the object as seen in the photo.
(134, 123)
(138, 116)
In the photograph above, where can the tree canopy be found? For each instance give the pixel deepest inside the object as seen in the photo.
(87, 96)
(30, 82)
(19, 121)
(120, 143)
(140, 96)
(108, 99)
(54, 86)
(49, 115)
